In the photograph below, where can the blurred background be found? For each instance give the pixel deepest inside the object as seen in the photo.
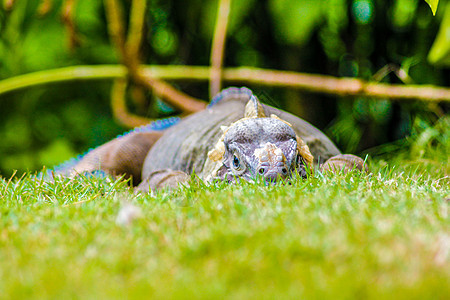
(392, 41)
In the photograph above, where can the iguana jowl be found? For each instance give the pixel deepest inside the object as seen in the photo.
(235, 137)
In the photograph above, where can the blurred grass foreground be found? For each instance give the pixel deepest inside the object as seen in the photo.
(383, 236)
(76, 73)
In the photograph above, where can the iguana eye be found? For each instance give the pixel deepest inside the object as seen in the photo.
(238, 168)
(236, 162)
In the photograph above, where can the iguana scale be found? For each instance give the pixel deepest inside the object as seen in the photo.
(236, 137)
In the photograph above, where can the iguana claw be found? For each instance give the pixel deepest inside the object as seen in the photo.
(163, 179)
(344, 163)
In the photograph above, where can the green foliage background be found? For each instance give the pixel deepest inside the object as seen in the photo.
(46, 125)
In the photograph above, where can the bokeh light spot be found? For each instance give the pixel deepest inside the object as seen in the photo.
(164, 41)
(362, 11)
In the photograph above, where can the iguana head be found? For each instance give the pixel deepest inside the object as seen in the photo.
(259, 146)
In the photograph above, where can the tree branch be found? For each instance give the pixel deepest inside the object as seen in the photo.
(119, 106)
(116, 29)
(129, 59)
(306, 82)
(135, 31)
(217, 49)
(68, 12)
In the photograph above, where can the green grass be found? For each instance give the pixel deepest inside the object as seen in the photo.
(384, 235)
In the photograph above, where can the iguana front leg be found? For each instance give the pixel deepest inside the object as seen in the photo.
(163, 179)
(344, 163)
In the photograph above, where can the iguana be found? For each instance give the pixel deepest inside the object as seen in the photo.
(235, 138)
